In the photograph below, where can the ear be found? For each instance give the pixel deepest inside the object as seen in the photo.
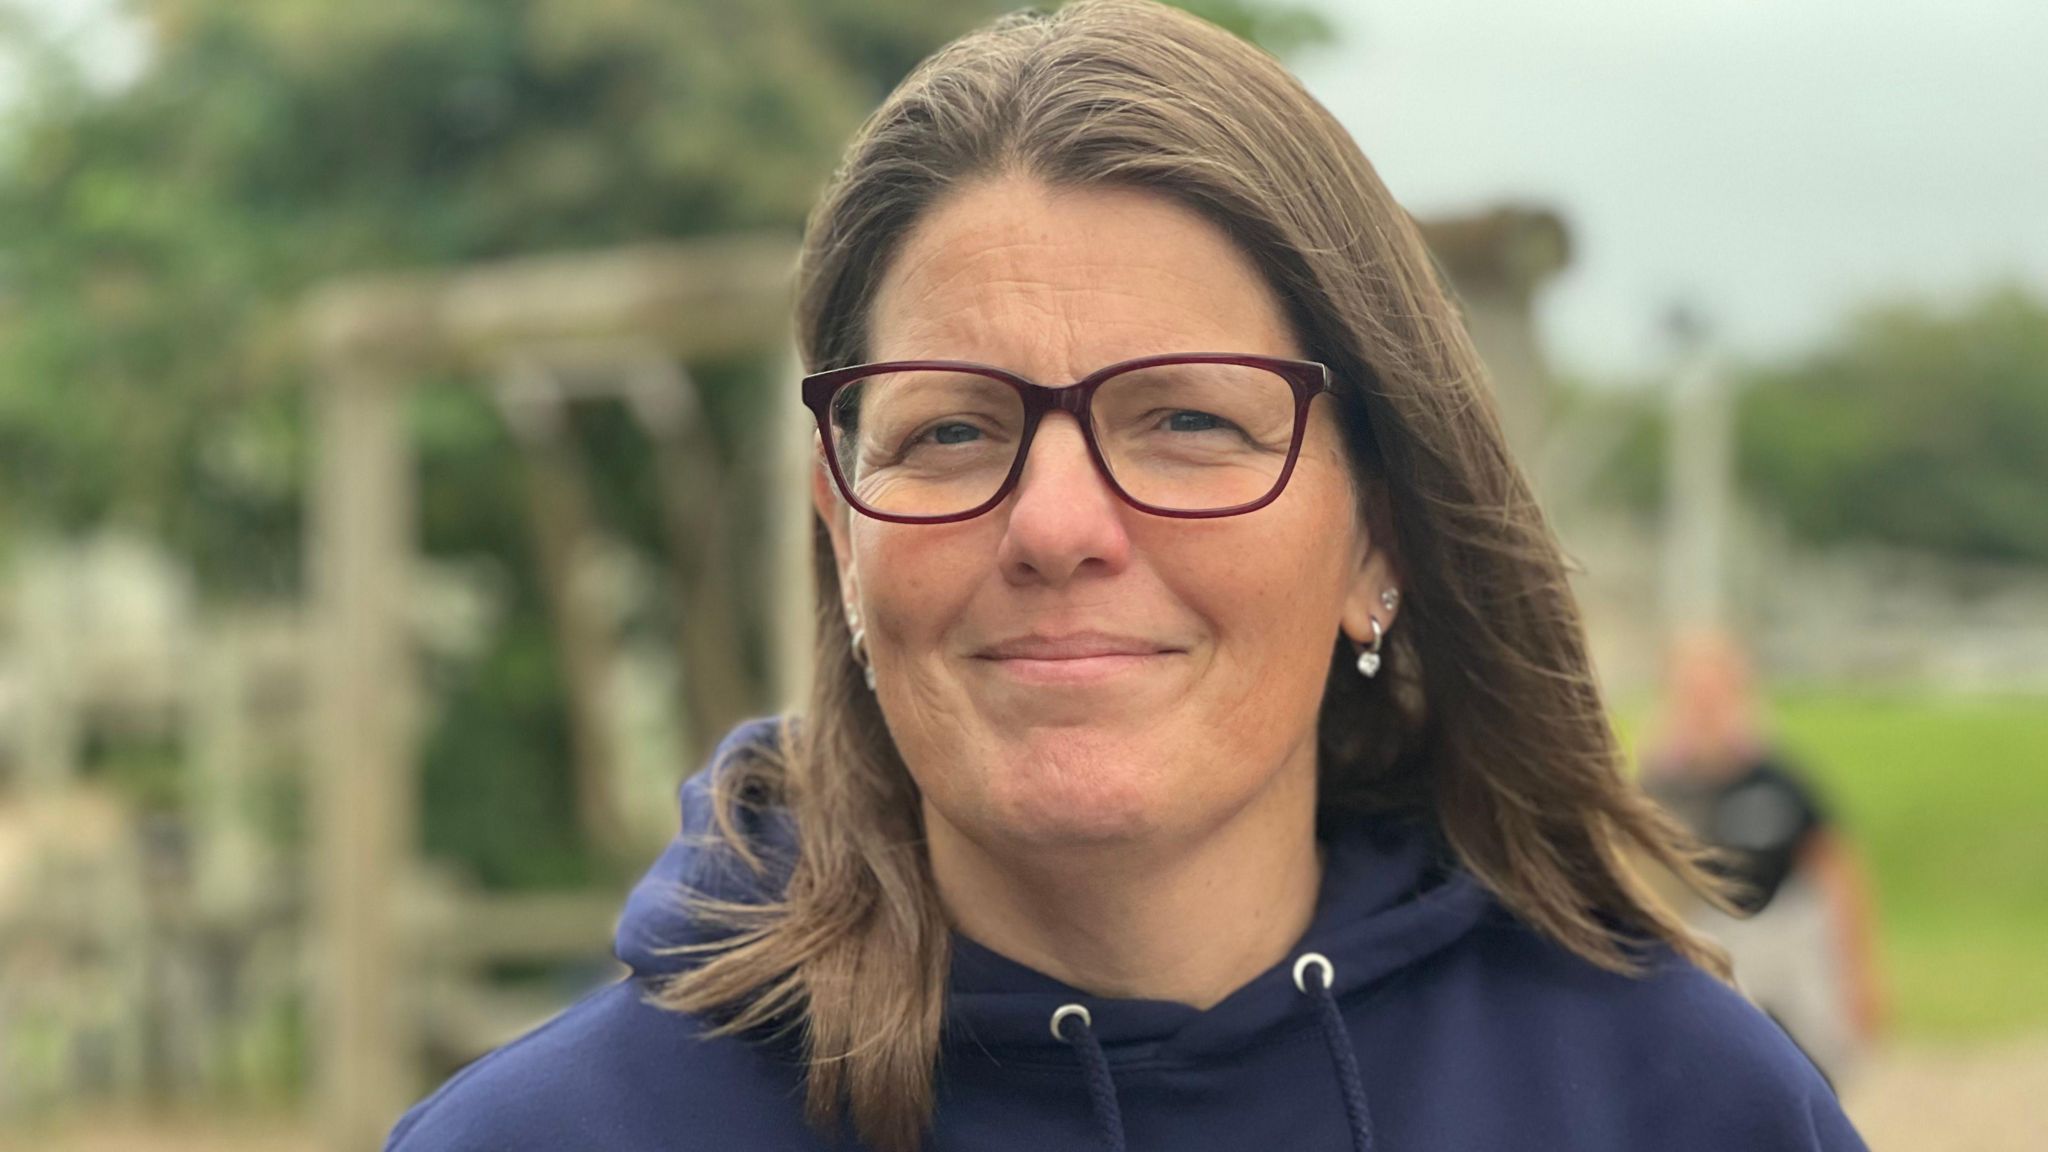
(1373, 571)
(833, 510)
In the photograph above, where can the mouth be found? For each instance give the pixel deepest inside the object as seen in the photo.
(1075, 657)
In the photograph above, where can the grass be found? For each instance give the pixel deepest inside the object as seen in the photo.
(1946, 800)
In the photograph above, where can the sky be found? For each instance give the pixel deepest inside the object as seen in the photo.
(111, 46)
(1773, 164)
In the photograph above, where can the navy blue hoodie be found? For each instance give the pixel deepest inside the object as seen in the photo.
(1446, 1025)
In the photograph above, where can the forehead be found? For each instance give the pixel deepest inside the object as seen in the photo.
(1043, 280)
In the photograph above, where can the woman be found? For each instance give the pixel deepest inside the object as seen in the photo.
(1203, 755)
(1806, 945)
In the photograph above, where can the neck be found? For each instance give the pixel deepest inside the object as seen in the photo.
(1189, 922)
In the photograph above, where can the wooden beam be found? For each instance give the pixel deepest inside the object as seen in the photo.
(705, 299)
(363, 788)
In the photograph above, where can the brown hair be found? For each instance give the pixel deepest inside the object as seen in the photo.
(1487, 715)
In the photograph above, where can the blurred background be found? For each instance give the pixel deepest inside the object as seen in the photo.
(400, 488)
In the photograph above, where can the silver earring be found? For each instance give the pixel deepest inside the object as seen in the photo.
(1390, 599)
(1369, 660)
(859, 644)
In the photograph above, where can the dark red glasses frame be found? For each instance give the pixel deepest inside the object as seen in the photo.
(1309, 379)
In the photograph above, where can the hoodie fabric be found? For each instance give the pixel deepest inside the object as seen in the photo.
(1414, 1014)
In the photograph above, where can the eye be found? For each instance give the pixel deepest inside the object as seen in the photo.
(1188, 420)
(954, 433)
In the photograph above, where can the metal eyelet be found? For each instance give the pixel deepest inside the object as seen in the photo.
(1066, 1010)
(1317, 958)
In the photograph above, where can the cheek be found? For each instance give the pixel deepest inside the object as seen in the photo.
(915, 578)
(1274, 587)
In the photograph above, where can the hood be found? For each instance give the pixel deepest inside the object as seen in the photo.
(1390, 898)
(656, 919)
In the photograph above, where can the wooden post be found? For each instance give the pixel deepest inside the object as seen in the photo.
(558, 506)
(716, 683)
(49, 744)
(362, 795)
(790, 613)
(1700, 478)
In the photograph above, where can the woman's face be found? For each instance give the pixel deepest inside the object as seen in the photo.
(1065, 668)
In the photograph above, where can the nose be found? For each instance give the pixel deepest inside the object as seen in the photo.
(1064, 520)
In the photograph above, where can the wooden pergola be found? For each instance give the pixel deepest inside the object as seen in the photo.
(520, 324)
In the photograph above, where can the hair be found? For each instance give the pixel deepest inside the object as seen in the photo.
(1486, 719)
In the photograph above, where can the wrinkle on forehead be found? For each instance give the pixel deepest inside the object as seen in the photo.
(1036, 279)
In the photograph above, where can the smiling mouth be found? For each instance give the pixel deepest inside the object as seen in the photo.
(1074, 658)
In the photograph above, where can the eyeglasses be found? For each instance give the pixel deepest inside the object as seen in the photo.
(1192, 435)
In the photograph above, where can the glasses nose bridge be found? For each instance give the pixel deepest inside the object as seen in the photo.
(1040, 400)
(1068, 398)
(1043, 400)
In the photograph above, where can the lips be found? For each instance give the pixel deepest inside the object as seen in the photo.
(1073, 646)
(1076, 660)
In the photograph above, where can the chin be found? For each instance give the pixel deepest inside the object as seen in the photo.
(1074, 793)
(1072, 829)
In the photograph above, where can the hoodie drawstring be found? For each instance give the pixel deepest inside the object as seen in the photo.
(1338, 1037)
(1109, 1119)
(1102, 1089)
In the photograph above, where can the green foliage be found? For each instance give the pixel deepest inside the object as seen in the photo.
(1916, 428)
(155, 241)
(1912, 426)
(1281, 30)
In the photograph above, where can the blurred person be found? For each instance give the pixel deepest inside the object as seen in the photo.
(1202, 751)
(1804, 945)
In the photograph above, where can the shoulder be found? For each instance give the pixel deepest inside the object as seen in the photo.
(1669, 998)
(610, 1072)
(1672, 1055)
(551, 1088)
(1776, 773)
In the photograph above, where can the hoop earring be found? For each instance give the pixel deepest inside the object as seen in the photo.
(1369, 660)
